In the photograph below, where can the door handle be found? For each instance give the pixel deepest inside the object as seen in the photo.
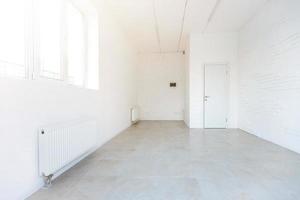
(206, 97)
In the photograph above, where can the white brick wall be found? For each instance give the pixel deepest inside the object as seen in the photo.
(269, 61)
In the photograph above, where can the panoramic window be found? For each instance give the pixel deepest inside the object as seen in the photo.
(50, 43)
(52, 39)
(76, 46)
(12, 39)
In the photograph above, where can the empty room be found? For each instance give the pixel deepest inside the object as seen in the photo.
(150, 99)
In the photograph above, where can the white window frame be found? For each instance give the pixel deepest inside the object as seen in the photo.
(88, 11)
(85, 50)
(37, 73)
(32, 65)
(28, 48)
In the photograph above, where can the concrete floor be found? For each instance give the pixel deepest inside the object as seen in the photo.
(167, 161)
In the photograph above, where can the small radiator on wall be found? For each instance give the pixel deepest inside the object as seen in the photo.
(134, 115)
(61, 144)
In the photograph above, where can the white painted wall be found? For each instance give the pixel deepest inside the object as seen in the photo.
(25, 105)
(269, 74)
(187, 86)
(156, 99)
(211, 48)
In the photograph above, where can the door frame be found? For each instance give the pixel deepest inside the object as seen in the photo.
(227, 64)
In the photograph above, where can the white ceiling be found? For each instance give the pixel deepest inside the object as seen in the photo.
(157, 25)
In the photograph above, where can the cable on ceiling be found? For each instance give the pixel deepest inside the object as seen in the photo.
(182, 25)
(161, 52)
(156, 25)
(212, 13)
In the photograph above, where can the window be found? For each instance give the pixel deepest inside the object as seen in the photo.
(92, 53)
(76, 45)
(82, 46)
(52, 39)
(12, 38)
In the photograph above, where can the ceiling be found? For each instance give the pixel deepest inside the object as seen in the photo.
(164, 25)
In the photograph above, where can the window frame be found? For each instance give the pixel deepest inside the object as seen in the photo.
(28, 48)
(37, 72)
(32, 59)
(85, 45)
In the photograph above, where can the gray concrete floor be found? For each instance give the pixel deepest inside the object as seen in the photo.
(157, 160)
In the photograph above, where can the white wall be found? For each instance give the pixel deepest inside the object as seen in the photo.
(156, 99)
(269, 47)
(211, 48)
(25, 105)
(187, 86)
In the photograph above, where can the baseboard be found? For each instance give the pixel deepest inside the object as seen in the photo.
(273, 142)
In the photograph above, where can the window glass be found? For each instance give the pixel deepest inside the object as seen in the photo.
(75, 45)
(12, 38)
(50, 40)
(93, 65)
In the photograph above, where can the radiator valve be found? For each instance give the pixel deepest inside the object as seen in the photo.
(47, 180)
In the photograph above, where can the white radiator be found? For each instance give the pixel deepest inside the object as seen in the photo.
(61, 144)
(134, 114)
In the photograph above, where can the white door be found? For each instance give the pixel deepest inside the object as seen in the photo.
(215, 96)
